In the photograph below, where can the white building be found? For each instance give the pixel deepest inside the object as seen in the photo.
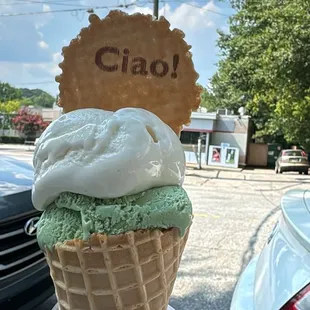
(216, 129)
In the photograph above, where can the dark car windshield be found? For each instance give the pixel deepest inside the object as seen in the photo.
(292, 153)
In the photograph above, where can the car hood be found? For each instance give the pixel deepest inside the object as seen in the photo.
(15, 176)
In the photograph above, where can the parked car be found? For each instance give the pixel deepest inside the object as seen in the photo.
(292, 160)
(279, 278)
(24, 275)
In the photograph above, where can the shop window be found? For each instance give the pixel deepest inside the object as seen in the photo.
(188, 137)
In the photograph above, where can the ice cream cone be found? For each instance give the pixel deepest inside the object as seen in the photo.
(135, 270)
(131, 68)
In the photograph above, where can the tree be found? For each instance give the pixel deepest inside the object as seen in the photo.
(7, 92)
(29, 123)
(265, 66)
(37, 97)
(10, 106)
(7, 109)
(208, 100)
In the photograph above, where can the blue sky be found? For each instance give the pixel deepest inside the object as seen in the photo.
(30, 45)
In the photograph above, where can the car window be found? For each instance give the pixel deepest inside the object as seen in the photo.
(292, 153)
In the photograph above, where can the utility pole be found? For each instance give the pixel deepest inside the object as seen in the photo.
(155, 11)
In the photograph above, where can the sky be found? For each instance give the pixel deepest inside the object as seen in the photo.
(30, 44)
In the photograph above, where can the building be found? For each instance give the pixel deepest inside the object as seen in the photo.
(50, 115)
(220, 138)
(220, 132)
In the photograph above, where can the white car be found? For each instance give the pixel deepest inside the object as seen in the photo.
(279, 278)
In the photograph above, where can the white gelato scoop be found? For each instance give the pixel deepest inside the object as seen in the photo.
(105, 155)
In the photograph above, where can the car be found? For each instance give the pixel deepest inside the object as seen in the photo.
(279, 277)
(292, 160)
(24, 274)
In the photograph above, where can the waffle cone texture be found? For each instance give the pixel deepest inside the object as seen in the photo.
(134, 270)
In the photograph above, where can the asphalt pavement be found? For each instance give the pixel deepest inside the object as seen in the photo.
(235, 212)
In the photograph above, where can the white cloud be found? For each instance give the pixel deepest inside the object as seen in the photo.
(37, 70)
(191, 17)
(65, 42)
(54, 69)
(5, 5)
(186, 16)
(16, 74)
(46, 69)
(46, 8)
(44, 19)
(57, 57)
(43, 44)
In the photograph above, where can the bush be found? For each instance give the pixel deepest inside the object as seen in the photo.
(29, 123)
(12, 140)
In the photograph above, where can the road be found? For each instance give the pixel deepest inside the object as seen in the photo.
(234, 214)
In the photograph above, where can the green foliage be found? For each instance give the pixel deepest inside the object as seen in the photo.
(12, 140)
(10, 106)
(7, 92)
(35, 97)
(265, 65)
(7, 110)
(208, 100)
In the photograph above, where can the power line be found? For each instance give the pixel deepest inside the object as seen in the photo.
(48, 3)
(35, 83)
(46, 12)
(33, 2)
(89, 10)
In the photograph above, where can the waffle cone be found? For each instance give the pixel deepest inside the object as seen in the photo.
(135, 270)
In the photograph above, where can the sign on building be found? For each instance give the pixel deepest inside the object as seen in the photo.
(223, 155)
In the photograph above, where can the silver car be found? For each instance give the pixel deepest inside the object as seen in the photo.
(292, 160)
(279, 278)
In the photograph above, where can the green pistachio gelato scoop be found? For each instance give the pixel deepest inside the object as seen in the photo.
(73, 216)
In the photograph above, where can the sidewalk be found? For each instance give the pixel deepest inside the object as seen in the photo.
(22, 147)
(190, 166)
(257, 175)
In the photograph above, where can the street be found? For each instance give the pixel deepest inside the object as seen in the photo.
(234, 213)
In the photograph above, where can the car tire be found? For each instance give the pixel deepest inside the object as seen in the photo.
(306, 172)
(300, 172)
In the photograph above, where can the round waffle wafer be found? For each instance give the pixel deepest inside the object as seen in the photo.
(130, 61)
